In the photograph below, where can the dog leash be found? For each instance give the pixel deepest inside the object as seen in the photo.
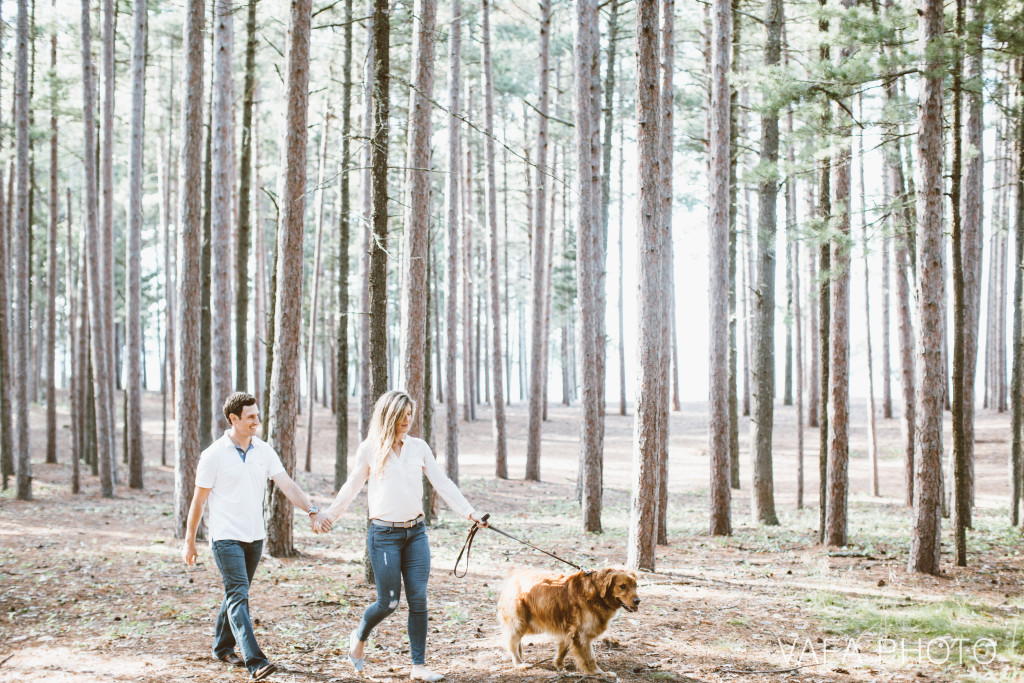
(469, 544)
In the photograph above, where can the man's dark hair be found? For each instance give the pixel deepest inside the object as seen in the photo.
(234, 404)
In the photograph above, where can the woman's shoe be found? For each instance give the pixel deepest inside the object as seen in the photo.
(357, 664)
(422, 673)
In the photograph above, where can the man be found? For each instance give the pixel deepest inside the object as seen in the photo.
(232, 474)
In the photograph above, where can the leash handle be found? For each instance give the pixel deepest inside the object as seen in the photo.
(467, 546)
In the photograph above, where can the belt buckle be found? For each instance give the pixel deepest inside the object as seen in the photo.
(409, 524)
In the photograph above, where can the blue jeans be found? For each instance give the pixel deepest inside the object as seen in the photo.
(237, 562)
(398, 554)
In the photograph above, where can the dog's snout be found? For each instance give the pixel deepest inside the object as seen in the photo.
(636, 601)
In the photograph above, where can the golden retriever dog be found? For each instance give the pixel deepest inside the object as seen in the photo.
(575, 608)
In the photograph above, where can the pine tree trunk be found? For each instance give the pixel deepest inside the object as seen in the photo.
(763, 299)
(734, 133)
(244, 204)
(961, 489)
(722, 297)
(417, 213)
(451, 441)
(621, 208)
(207, 410)
(537, 379)
(74, 332)
(665, 144)
(650, 431)
(190, 271)
(973, 222)
(134, 259)
(314, 299)
(20, 256)
(284, 386)
(344, 235)
(107, 220)
(863, 210)
(590, 260)
(931, 375)
(824, 300)
(497, 357)
(222, 170)
(798, 325)
(1017, 376)
(6, 327)
(378, 341)
(365, 380)
(51, 274)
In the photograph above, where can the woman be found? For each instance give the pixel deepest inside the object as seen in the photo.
(394, 463)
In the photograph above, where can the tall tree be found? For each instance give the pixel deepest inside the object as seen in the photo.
(537, 383)
(734, 150)
(931, 376)
(51, 267)
(74, 332)
(134, 256)
(451, 442)
(418, 214)
(242, 246)
(284, 386)
(190, 186)
(344, 234)
(20, 257)
(722, 339)
(314, 299)
(824, 270)
(589, 258)
(1017, 368)
(366, 395)
(650, 426)
(763, 299)
(223, 175)
(107, 219)
(973, 219)
(863, 211)
(379, 191)
(6, 327)
(498, 388)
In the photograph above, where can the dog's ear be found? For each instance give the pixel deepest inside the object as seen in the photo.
(604, 580)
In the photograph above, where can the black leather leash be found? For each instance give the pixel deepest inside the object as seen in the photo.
(469, 544)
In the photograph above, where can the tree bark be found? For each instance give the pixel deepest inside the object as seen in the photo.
(1017, 369)
(379, 190)
(344, 234)
(621, 208)
(6, 327)
(284, 386)
(931, 376)
(20, 257)
(537, 383)
(722, 296)
(872, 432)
(824, 299)
(589, 259)
(51, 271)
(650, 430)
(973, 222)
(417, 214)
(365, 381)
(763, 297)
(73, 292)
(222, 170)
(734, 134)
(451, 442)
(497, 357)
(242, 248)
(190, 187)
(134, 257)
(314, 299)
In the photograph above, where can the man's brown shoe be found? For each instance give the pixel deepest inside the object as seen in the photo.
(264, 672)
(232, 659)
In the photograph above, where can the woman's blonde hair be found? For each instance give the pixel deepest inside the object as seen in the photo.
(388, 411)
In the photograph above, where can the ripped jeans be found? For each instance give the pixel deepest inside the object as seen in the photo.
(399, 555)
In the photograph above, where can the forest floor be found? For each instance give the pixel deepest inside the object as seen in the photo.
(95, 590)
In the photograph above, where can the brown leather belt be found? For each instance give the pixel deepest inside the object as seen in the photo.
(400, 525)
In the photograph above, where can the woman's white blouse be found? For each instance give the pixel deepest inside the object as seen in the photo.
(397, 495)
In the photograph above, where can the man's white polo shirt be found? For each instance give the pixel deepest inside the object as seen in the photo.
(237, 488)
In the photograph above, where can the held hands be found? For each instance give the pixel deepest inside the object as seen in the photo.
(320, 523)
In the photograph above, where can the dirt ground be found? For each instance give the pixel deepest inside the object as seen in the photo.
(95, 590)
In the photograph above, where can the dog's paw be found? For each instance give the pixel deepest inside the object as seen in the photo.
(522, 665)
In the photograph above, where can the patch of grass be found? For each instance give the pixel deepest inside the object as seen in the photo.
(737, 622)
(955, 631)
